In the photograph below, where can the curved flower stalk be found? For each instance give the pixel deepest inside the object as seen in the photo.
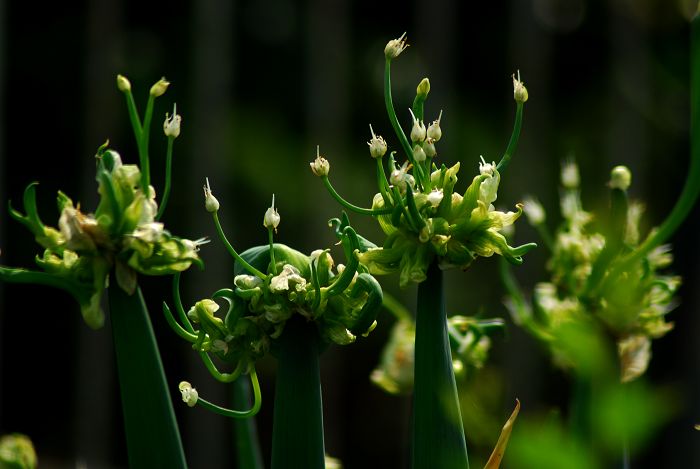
(470, 343)
(120, 239)
(632, 310)
(430, 226)
(292, 305)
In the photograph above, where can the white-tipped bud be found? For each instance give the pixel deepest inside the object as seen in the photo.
(534, 211)
(159, 88)
(620, 178)
(272, 218)
(569, 174)
(171, 125)
(434, 130)
(486, 168)
(210, 202)
(398, 177)
(429, 147)
(519, 90)
(123, 83)
(423, 88)
(189, 394)
(435, 197)
(377, 146)
(418, 129)
(394, 47)
(419, 154)
(320, 166)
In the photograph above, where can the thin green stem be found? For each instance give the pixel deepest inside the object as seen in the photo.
(219, 376)
(383, 183)
(143, 146)
(297, 428)
(248, 453)
(168, 178)
(178, 304)
(389, 103)
(133, 115)
(232, 251)
(152, 435)
(175, 326)
(272, 250)
(349, 206)
(396, 308)
(237, 414)
(691, 189)
(438, 433)
(514, 137)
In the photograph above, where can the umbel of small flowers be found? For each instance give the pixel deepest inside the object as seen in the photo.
(418, 207)
(631, 309)
(274, 284)
(123, 234)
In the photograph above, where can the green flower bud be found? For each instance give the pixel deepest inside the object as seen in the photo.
(419, 154)
(17, 451)
(620, 178)
(159, 88)
(123, 83)
(394, 47)
(429, 148)
(423, 88)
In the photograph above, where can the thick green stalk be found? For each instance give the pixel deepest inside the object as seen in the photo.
(152, 435)
(297, 429)
(248, 454)
(438, 433)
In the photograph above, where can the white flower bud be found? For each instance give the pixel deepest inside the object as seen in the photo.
(534, 211)
(377, 146)
(171, 125)
(429, 147)
(123, 83)
(210, 202)
(320, 166)
(419, 154)
(569, 174)
(620, 178)
(159, 88)
(434, 130)
(435, 197)
(394, 47)
(272, 218)
(519, 90)
(189, 394)
(486, 168)
(418, 130)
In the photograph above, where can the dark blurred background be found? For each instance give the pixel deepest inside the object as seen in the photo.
(259, 85)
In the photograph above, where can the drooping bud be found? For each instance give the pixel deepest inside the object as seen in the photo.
(272, 218)
(418, 129)
(189, 394)
(320, 166)
(620, 178)
(210, 202)
(434, 130)
(123, 83)
(377, 145)
(159, 88)
(171, 126)
(394, 47)
(519, 90)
